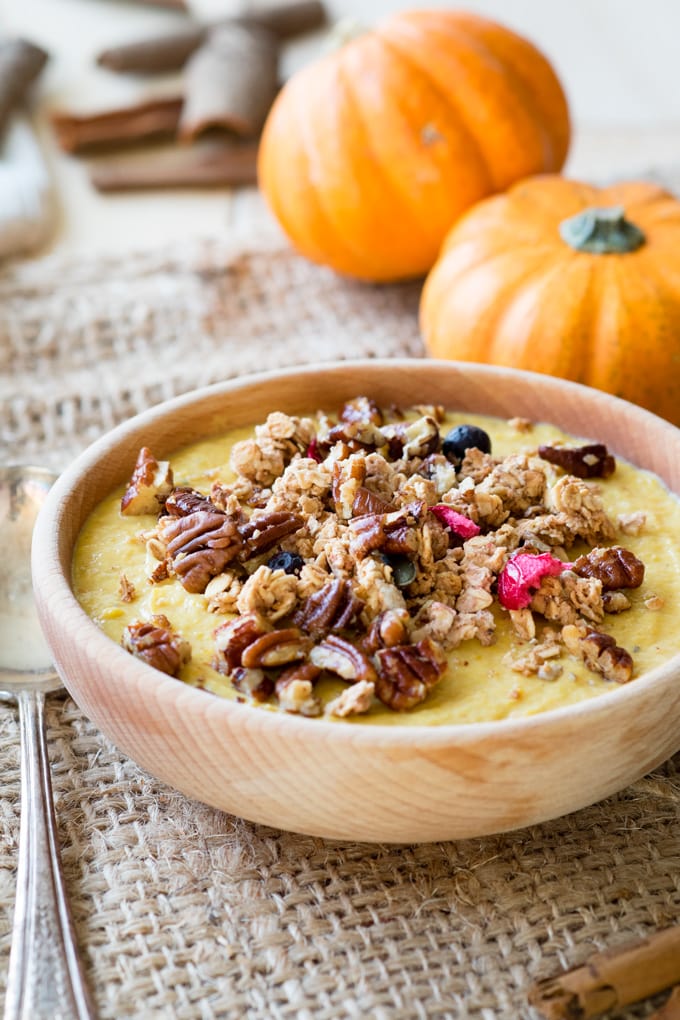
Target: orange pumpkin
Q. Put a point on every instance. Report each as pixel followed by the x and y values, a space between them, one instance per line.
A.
pixel 566 279
pixel 372 152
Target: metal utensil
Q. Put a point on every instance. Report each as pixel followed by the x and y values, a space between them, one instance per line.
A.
pixel 45 980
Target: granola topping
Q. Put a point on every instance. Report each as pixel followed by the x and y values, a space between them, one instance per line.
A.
pixel 362 559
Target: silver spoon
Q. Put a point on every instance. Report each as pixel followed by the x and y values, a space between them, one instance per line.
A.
pixel 45 980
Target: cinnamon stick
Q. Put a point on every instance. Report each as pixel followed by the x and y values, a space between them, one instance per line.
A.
pixel 612 979
pixel 160 54
pixel 156 118
pixel 231 81
pixel 20 64
pixel 155 55
pixel 224 165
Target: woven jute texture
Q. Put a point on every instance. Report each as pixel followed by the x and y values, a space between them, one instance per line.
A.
pixel 183 912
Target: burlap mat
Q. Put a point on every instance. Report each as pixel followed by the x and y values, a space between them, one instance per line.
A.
pixel 184 912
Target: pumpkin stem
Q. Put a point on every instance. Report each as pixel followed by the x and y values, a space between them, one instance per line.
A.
pixel 602 232
pixel 343 32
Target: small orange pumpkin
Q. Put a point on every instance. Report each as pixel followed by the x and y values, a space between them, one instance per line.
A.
pixel 566 279
pixel 372 152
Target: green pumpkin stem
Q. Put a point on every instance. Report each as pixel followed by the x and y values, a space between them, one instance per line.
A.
pixel 602 232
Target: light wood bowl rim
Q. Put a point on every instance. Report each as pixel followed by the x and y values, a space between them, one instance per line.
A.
pixel 52 581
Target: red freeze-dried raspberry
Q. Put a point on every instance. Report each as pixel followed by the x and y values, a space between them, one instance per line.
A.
pixel 313 451
pixel 522 574
pixel 459 524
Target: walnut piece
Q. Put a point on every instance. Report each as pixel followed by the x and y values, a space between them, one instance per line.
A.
pixel 591 461
pixel 600 652
pixel 407 673
pixel 156 643
pixel 614 566
pixel 151 482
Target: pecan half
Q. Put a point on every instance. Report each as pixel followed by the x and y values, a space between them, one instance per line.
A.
pixel 392 533
pixel 361 409
pixel 331 608
pixel 184 501
pixel 591 461
pixel 200 545
pixel 406 673
pixel 276 648
pixel 339 656
pixel 260 534
pixel 233 637
pixel 614 566
pixel 253 682
pixel 156 643
pixel 600 653
pixel 151 482
pixel 294 689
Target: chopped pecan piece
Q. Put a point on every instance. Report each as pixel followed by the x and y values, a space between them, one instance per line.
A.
pixel 339 656
pixel 615 567
pixel 632 524
pixel 357 435
pixel 126 589
pixel 156 643
pixel 200 545
pixel 276 648
pixel 354 700
pixel 417 438
pixel 600 652
pixel 183 501
pixel 294 689
pixel 591 461
pixel 406 674
pixel 253 682
pixel 362 409
pixel 261 533
pixel 331 608
pixel 367 502
pixel 348 476
pixel 393 533
pixel 151 482
pixel 389 628
pixel 615 602
pixel 235 636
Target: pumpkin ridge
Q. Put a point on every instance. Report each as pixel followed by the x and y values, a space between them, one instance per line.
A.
pixel 484 342
pixel 528 94
pixel 356 253
pixel 385 175
pixel 408 59
pixel 498 59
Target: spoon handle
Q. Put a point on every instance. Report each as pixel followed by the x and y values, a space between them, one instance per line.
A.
pixel 45 981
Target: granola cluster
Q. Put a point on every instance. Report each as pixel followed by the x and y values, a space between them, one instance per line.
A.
pixel 368 547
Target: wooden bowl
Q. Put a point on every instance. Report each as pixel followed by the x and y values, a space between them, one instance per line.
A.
pixel 329 779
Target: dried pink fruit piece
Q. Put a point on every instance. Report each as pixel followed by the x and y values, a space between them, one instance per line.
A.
pixel 522 574
pixel 459 524
pixel 313 451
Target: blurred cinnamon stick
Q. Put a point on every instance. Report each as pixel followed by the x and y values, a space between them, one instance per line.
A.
pixel 612 979
pixel 156 118
pixel 231 81
pixel 20 64
pixel 170 52
pixel 155 55
pixel 226 165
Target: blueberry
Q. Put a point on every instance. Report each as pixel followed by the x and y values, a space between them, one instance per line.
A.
pixel 292 563
pixel 462 438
